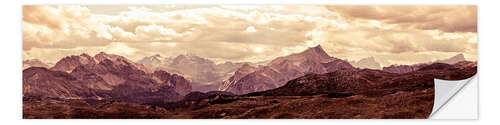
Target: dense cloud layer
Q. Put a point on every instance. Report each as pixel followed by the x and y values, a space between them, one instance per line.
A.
pixel 444 18
pixel 251 33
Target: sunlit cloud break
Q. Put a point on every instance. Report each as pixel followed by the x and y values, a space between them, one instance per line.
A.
pixel 252 33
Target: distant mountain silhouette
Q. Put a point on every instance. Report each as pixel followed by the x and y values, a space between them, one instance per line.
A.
pixel 203 73
pixel 452 60
pixel 409 68
pixel 34 63
pixel 367 63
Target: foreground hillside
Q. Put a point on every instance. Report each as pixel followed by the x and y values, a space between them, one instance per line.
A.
pixel 415 105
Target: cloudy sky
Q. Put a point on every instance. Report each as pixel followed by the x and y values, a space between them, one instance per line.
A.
pixel 391 34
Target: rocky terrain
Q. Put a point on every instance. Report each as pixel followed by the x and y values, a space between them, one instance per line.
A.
pixel 346 93
pixel 277 72
pixel 102 77
pixel 203 74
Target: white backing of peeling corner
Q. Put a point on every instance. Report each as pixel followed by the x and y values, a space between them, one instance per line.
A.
pixel 460 105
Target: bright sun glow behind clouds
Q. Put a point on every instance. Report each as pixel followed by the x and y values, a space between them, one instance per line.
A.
pixel 251 33
pixel 169 44
pixel 251 29
pixel 258 49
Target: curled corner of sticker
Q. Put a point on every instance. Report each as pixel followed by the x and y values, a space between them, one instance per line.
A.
pixel 445 90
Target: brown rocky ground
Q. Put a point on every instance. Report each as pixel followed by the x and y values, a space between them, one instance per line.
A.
pixel 52 109
pixel 397 105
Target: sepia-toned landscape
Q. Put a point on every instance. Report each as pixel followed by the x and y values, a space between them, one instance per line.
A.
pixel 241 62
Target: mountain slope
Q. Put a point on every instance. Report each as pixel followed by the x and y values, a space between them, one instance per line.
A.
pixel 39 82
pixel 364 81
pixel 203 73
pixel 277 72
pixel 105 76
pixel 68 63
pixel 238 74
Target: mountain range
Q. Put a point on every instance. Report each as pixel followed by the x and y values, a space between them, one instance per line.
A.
pixel 103 76
pixel 276 73
pixel 364 81
pixel 203 73
pixel 409 68
pixel 309 84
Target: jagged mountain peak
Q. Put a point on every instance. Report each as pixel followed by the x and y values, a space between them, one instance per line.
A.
pixel 69 63
pixel 318 47
pixel 246 65
pixel 116 59
pixel 85 55
pixel 189 58
pixel 314 54
pixel 102 56
pixel 458 56
pixel 152 62
pixel 246 68
pixel 315 51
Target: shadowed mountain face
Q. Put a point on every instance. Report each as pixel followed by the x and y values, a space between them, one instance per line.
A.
pixel 238 74
pixel 42 82
pixel 277 72
pixel 104 76
pixel 204 74
pixel 67 64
